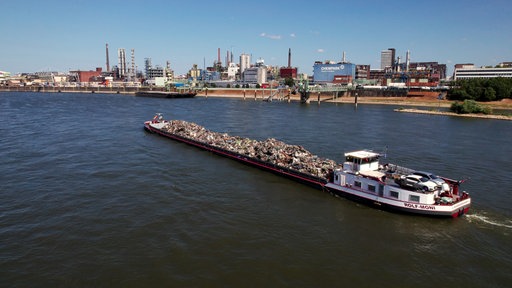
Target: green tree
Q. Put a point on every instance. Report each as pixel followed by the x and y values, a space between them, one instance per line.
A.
pixel 289 82
pixel 502 87
pixel 458 94
pixel 469 106
pixel 481 89
pixel 489 94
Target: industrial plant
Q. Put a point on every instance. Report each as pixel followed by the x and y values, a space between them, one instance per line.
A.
pixel 393 73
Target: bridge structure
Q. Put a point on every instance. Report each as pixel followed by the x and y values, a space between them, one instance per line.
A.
pixel 306 90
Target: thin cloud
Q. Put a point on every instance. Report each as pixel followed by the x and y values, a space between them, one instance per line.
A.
pixel 320 50
pixel 271 36
pixel 293 35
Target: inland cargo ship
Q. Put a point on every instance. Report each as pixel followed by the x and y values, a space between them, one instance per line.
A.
pixel 166 94
pixel 361 177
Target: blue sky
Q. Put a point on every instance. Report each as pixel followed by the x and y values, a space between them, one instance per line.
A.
pixel 62 35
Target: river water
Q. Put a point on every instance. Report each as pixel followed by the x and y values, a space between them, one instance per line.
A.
pixel 88 199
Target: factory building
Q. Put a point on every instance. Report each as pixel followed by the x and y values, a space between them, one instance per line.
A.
pixel 87 76
pixel 505 65
pixel 4 76
pixel 434 68
pixel 256 74
pixel 289 71
pixel 232 71
pixel 378 75
pixel 415 74
pixel 469 71
pixel 155 72
pixel 406 75
pixel 329 72
pixel 363 72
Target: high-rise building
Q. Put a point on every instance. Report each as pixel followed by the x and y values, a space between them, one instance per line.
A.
pixel 121 53
pixel 387 59
pixel 245 62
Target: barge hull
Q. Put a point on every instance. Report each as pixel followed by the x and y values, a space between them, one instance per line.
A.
pixel 162 94
pixel 315 182
pixel 450 212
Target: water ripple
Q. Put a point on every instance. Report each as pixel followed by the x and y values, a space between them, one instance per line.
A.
pixel 90 199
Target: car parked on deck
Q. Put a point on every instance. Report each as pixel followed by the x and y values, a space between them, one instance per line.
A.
pixel 417 182
pixel 432 177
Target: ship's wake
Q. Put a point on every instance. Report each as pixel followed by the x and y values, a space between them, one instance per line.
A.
pixel 479 218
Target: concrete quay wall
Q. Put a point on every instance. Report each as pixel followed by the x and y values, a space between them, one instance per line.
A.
pixel 371 95
pixel 82 89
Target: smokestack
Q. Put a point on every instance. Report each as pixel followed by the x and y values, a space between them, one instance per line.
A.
pixel 108 65
pixel 289 57
pixel 407 60
pixel 218 55
pixel 343 60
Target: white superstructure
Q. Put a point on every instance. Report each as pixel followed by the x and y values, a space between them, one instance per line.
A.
pixel 395 187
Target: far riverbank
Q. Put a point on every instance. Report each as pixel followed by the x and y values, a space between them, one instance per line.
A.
pixel 414 99
pixel 424 99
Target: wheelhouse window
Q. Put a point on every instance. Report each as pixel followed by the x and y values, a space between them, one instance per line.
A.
pixel 357 184
pixel 371 188
pixel 414 198
pixel 394 194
